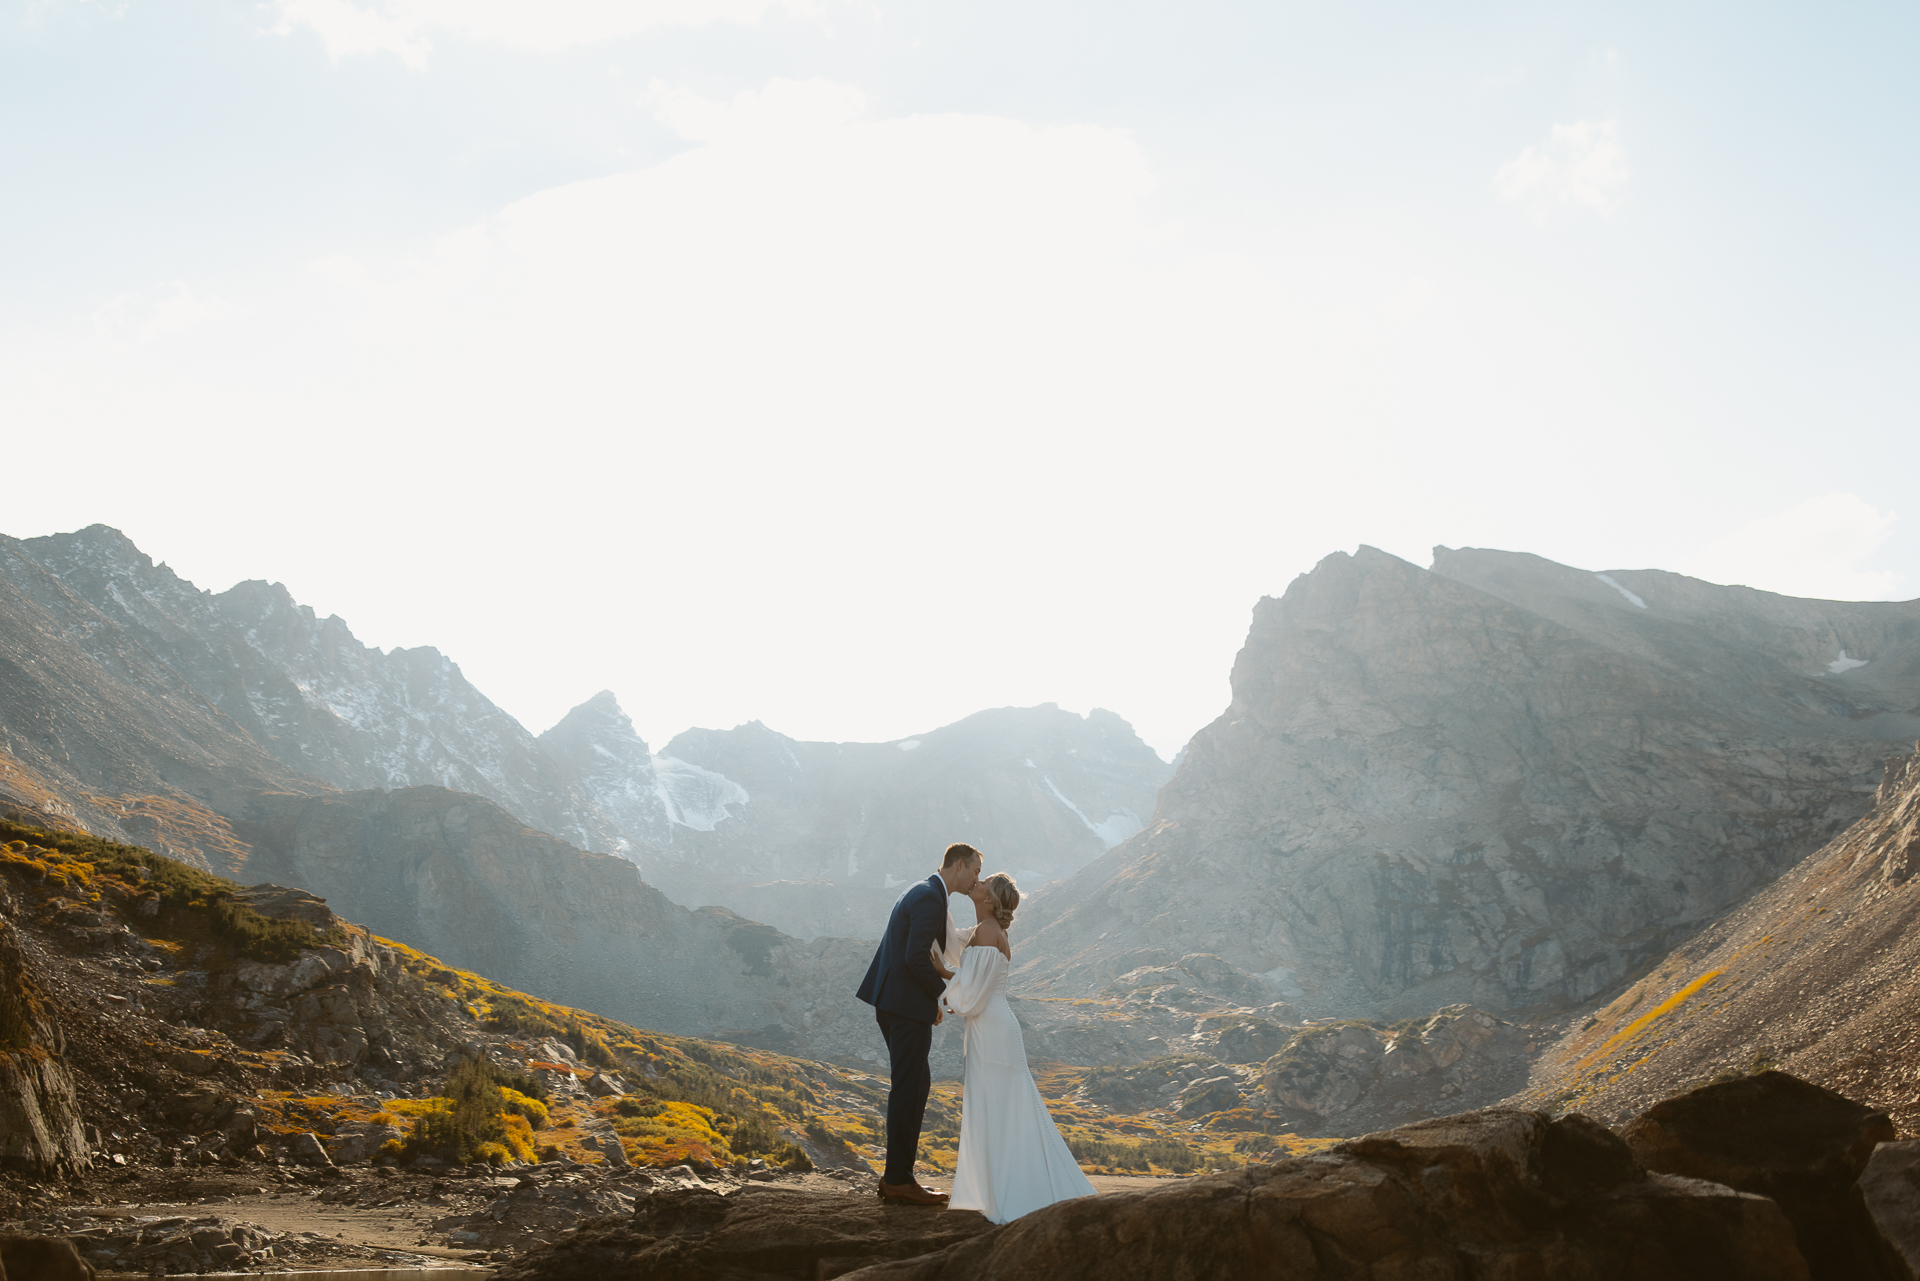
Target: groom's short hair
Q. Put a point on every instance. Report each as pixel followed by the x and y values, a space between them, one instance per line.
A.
pixel 960 852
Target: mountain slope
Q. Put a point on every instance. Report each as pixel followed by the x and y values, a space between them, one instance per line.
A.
pixel 1500 781
pixel 1817 974
pixel 456 875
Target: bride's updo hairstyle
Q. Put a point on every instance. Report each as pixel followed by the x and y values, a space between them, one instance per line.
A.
pixel 1006 897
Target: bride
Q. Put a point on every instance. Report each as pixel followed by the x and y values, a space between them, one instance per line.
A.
pixel 1012 1158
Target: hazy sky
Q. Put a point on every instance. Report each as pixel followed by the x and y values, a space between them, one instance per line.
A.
pixel 856 367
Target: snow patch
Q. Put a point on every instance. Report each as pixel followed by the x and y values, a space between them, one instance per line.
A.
pixel 1608 580
pixel 692 796
pixel 1113 829
pixel 1845 664
pixel 909 745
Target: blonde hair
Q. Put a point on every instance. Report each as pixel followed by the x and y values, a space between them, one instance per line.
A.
pixel 1006 897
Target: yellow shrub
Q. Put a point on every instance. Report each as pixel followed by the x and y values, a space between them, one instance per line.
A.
pixel 519 1137
pixel 680 1132
pixel 525 1105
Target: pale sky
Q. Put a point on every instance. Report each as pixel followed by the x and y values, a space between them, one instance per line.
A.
pixel 855 368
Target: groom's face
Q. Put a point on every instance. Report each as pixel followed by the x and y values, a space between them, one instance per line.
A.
pixel 965 876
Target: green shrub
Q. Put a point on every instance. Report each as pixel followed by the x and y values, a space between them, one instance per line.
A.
pixel 788 1156
pixel 1168 1154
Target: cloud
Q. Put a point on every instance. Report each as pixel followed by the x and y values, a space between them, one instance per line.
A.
pixel 405 28
pixel 139 319
pixel 780 111
pixel 1583 164
pixel 1817 548
pixel 800 263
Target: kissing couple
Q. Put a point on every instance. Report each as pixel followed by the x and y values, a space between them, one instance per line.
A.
pixel 1012 1158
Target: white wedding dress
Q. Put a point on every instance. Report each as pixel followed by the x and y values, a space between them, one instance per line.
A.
pixel 1012 1158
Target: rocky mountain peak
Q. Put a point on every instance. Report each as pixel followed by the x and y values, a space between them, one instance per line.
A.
pixel 1498 782
pixel 597 746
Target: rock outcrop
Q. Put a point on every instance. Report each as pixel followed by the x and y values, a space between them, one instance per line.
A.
pixel 40 1129
pixel 1500 781
pixel 1349 1076
pixel 1817 974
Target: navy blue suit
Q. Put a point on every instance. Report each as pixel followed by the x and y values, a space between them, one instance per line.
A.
pixel 904 990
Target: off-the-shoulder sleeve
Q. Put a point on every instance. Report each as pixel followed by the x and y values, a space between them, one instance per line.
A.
pixel 968 990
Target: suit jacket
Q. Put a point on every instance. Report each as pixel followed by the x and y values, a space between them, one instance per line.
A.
pixel 902 979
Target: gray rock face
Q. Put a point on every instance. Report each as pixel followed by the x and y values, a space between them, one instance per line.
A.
pixel 1502 782
pixel 820 838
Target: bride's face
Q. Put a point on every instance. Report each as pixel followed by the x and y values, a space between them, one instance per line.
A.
pixel 982 899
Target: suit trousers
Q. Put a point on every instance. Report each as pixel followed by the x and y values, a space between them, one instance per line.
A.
pixel 908 1043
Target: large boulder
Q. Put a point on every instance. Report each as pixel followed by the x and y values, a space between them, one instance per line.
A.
pixel 761 1233
pixel 1497 1193
pixel 1890 1186
pixel 1781 1137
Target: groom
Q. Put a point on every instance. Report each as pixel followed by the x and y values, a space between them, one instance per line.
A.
pixel 904 990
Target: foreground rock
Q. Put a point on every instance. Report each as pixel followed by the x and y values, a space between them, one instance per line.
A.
pixel 1890 1186
pixel 1780 1137
pixel 1497 1193
pixel 696 1234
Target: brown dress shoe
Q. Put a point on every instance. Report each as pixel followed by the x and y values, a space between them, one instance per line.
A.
pixel 911 1193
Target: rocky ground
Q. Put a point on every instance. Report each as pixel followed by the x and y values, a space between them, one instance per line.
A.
pixel 270 1217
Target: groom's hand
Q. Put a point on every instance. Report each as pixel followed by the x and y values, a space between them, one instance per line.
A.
pixel 939 1013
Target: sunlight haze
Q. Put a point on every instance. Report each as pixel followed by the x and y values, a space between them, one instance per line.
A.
pixel 855 368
